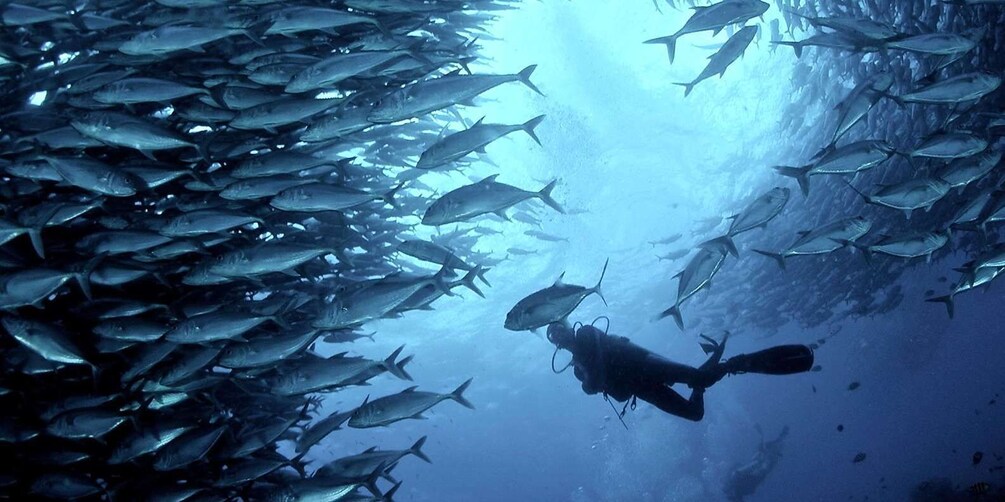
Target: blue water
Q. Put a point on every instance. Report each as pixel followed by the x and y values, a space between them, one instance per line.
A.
pixel 643 163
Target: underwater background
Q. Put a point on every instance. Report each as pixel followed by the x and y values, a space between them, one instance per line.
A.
pixel 904 404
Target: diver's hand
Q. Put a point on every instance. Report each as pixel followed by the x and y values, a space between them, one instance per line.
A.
pixel 560 334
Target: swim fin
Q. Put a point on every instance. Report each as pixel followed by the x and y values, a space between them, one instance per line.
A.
pixel 780 360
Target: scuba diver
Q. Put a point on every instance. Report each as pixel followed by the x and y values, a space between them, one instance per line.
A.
pixel 744 480
pixel 622 370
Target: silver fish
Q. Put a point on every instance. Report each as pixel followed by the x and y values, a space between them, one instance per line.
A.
pixel 428 96
pixel 408 403
pixel 486 196
pixel 713 18
pixel 822 240
pixel 551 304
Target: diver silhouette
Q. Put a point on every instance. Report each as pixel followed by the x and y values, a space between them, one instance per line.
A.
pixel 621 370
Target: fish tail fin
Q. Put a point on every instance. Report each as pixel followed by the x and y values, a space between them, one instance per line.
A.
pixel 400 366
pixel 545 196
pixel 675 313
pixel 725 241
pixel 439 280
pixel 778 257
pixel 278 320
pixel 397 368
pixel 416 449
pixel 388 496
pixel 388 197
pixel 801 175
pixel 383 29
pixel 948 300
pixel 524 77
pixel 202 148
pixel 458 395
pixel 84 276
pixel 670 42
pixel 528 127
pixel 596 289
pixel 255 37
pixel 35 234
pixel 468 281
pixel 796 47
pixel 481 274
pixel 688 87
pixel 76 19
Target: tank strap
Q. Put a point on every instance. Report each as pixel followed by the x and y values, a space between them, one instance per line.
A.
pixel 601 364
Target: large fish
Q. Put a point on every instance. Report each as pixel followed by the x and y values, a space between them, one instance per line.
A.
pixel 905 246
pixel 428 96
pixel 551 304
pixel 294 20
pixel 838 41
pixel 759 212
pixel 144 90
pixel 961 172
pixel 822 240
pixel 915 193
pixel 854 26
pixel 854 107
pixel 167 39
pixel 949 146
pixel 334 69
pixel 939 44
pixel 375 301
pixel 954 90
pixel 117 129
pixel 314 374
pixel 408 403
pixel 486 196
pixel 315 197
pixel 363 464
pixel 713 18
pixel 475 138
pixel 849 159
pixel 720 61
pixel 696 275
pixel 45 340
pixel 971 279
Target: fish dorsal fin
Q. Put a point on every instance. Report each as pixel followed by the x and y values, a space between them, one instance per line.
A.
pixel 558 282
pixel 370 449
pixel 410 389
pixel 443 133
pixel 490 179
pixel 453 73
pixel 478 123
pixel 678 274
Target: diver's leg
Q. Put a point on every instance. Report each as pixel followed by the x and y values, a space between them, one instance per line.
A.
pixel 668 372
pixel 670 401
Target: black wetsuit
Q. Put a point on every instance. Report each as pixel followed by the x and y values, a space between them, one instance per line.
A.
pixel 617 367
